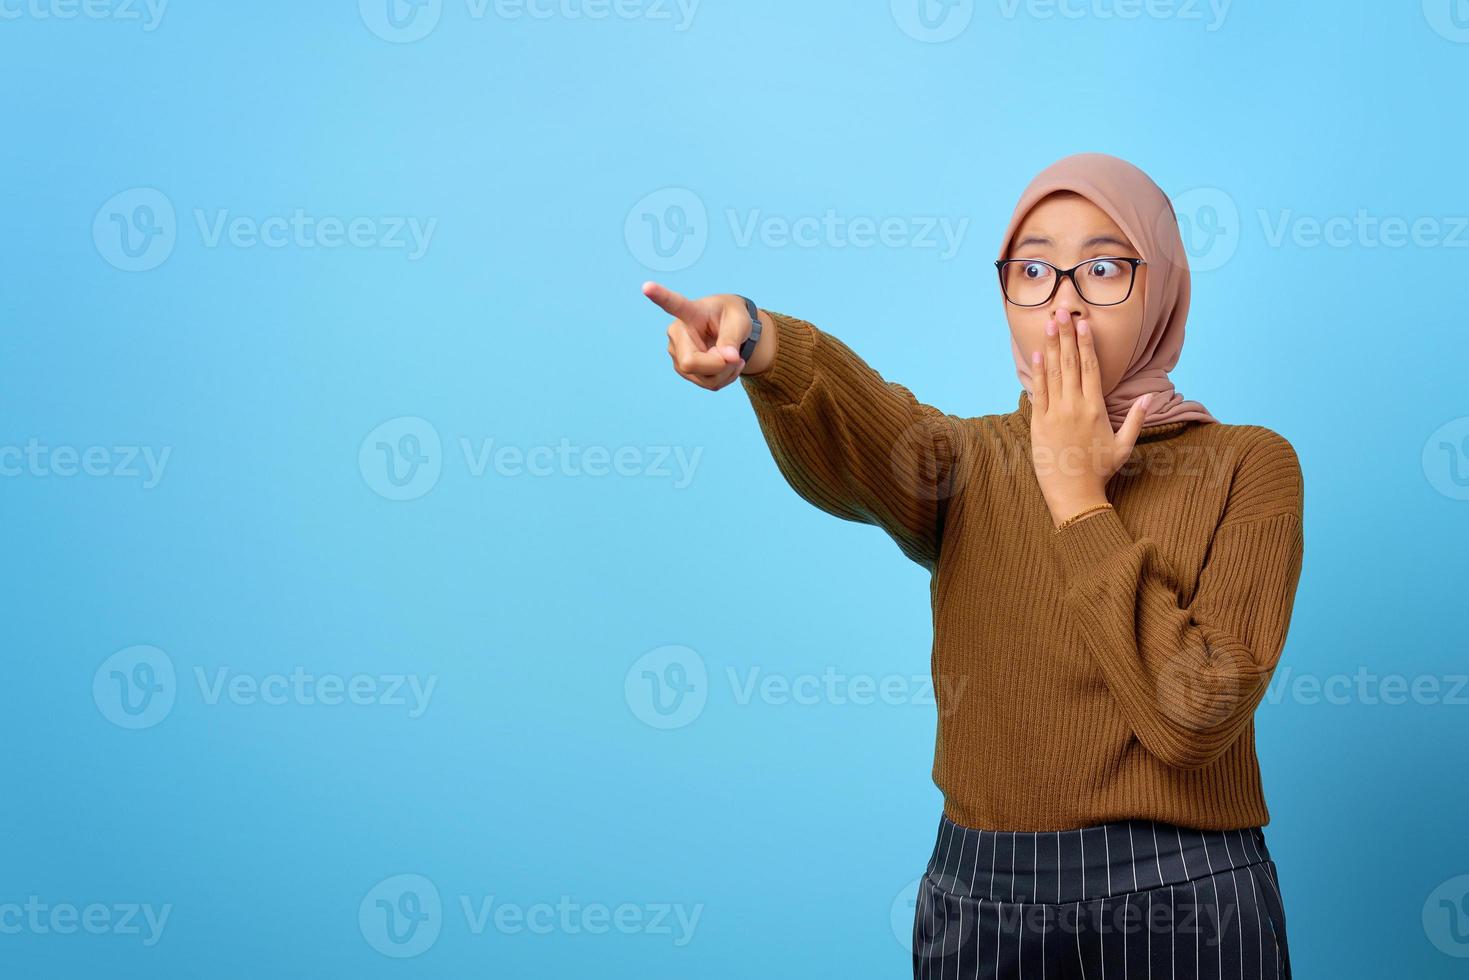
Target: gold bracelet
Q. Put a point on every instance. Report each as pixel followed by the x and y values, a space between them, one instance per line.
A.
pixel 1078 516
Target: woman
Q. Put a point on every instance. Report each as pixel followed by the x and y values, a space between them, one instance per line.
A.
pixel 1113 577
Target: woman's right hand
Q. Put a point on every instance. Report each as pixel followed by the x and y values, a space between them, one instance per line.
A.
pixel 705 336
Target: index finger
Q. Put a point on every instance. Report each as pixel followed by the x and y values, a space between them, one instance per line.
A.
pixel 674 304
pixel 1086 350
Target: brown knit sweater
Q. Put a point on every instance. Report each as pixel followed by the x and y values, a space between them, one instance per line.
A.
pixel 1106 671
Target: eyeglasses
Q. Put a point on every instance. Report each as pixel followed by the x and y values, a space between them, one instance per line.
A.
pixel 1032 282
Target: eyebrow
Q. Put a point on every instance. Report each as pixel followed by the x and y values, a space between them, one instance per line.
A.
pixel 1092 242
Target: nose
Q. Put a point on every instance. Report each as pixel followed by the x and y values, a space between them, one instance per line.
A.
pixel 1067 302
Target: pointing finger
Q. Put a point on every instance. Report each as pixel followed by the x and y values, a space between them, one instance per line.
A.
pixel 674 304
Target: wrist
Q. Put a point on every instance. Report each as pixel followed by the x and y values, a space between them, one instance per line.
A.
pixel 1077 506
pixel 764 354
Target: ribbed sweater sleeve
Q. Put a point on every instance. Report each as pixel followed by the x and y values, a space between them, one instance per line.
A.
pixel 1188 675
pixel 852 443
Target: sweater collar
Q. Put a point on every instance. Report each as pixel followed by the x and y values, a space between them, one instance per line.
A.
pixel 1020 421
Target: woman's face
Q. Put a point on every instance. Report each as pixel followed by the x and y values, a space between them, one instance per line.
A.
pixel 1065 228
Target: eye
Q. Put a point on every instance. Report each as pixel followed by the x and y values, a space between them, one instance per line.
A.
pixel 1105 269
pixel 1035 270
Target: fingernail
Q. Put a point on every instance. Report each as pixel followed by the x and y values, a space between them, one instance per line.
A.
pixel 1082 327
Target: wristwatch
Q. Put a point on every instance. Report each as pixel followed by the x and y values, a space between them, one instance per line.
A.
pixel 748 347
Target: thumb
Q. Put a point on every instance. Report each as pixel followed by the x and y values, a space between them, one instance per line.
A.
pixel 1131 426
pixel 735 327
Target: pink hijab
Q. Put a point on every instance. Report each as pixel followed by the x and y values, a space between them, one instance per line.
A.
pixel 1145 215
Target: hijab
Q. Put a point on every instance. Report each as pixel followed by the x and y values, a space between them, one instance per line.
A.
pixel 1145 215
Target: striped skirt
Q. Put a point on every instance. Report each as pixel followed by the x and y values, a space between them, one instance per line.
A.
pixel 1130 898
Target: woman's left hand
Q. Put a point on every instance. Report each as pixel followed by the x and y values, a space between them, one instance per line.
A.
pixel 1073 448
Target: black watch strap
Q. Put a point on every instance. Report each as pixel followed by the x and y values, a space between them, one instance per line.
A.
pixel 747 349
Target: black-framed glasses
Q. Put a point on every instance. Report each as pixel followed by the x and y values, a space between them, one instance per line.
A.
pixel 1032 282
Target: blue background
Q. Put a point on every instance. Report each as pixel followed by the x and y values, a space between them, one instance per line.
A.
pixel 544 149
